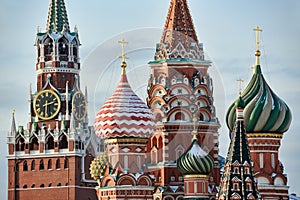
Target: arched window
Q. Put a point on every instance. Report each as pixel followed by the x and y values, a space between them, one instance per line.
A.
pixel 201 117
pixel 249 187
pixel 48 47
pixel 42 185
pixel 179 116
pixel 33 165
pixel 66 163
pixel 24 186
pixel 33 186
pixel 57 164
pixel 34 144
pixel 63 143
pixel 42 167
pixel 63 46
pixel 20 145
pixel 50 164
pixel 25 166
pixel 50 143
pixel 235 186
pixel 59 184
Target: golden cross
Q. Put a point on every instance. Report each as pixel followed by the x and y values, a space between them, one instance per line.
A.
pixel 240 81
pixel 123 50
pixel 257 30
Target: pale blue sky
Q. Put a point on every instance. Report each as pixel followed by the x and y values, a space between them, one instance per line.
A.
pixel 225 28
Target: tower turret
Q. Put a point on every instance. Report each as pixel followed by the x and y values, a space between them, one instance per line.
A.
pixel 179 88
pixel 196 165
pixel 238 180
pixel 53 151
pixel 267 117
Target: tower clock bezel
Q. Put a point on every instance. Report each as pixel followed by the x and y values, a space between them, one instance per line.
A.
pixel 79 101
pixel 55 104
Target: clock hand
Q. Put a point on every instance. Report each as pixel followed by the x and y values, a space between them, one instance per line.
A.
pixel 52 102
pixel 46 107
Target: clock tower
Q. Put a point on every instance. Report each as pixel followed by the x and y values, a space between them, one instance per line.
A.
pixel 49 159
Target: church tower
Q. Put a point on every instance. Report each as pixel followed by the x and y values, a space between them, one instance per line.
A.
pixel 238 180
pixel 179 88
pixel 267 117
pixel 49 158
pixel 125 123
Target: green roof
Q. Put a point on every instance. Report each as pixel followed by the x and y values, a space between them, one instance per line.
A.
pixel 57 17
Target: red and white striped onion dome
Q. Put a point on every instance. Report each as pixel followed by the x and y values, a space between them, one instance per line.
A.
pixel 124 115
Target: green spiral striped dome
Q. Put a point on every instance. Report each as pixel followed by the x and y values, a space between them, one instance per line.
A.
pixel 195 161
pixel 264 111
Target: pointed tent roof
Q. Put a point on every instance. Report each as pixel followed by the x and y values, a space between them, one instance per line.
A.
pixel 57 17
pixel 237 157
pixel 179 38
pixel 13 129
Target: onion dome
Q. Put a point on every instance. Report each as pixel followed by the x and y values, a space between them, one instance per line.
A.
pixel 264 111
pixel 195 161
pixel 98 166
pixel 124 114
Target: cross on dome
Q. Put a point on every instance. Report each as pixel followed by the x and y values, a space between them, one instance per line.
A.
pixel 240 81
pixel 257 53
pixel 123 56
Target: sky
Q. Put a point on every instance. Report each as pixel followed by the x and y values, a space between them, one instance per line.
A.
pixel 225 28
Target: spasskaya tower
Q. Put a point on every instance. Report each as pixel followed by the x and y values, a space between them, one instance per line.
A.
pixel 49 159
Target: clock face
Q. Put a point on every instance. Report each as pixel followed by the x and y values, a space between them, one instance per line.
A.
pixel 46 104
pixel 79 106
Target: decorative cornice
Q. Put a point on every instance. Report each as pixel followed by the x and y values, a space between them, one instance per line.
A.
pixel 196 176
pixel 126 140
pixel 264 135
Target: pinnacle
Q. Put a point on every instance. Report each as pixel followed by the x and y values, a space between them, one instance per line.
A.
pixel 57 17
pixel 179 32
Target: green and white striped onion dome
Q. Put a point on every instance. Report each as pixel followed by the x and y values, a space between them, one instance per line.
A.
pixel 195 161
pixel 264 111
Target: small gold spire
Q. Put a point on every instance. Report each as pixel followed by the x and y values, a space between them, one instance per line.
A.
pixel 257 52
pixel 240 81
pixel 123 56
pixel 13 111
pixel 194 132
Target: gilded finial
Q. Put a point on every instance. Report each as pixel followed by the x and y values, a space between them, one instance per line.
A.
pixel 123 56
pixel 257 52
pixel 240 81
pixel 13 111
pixel 195 133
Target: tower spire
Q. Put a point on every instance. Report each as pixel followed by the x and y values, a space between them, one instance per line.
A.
pixel 13 129
pixel 237 180
pixel 257 52
pixel 179 38
pixel 57 17
pixel 123 56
